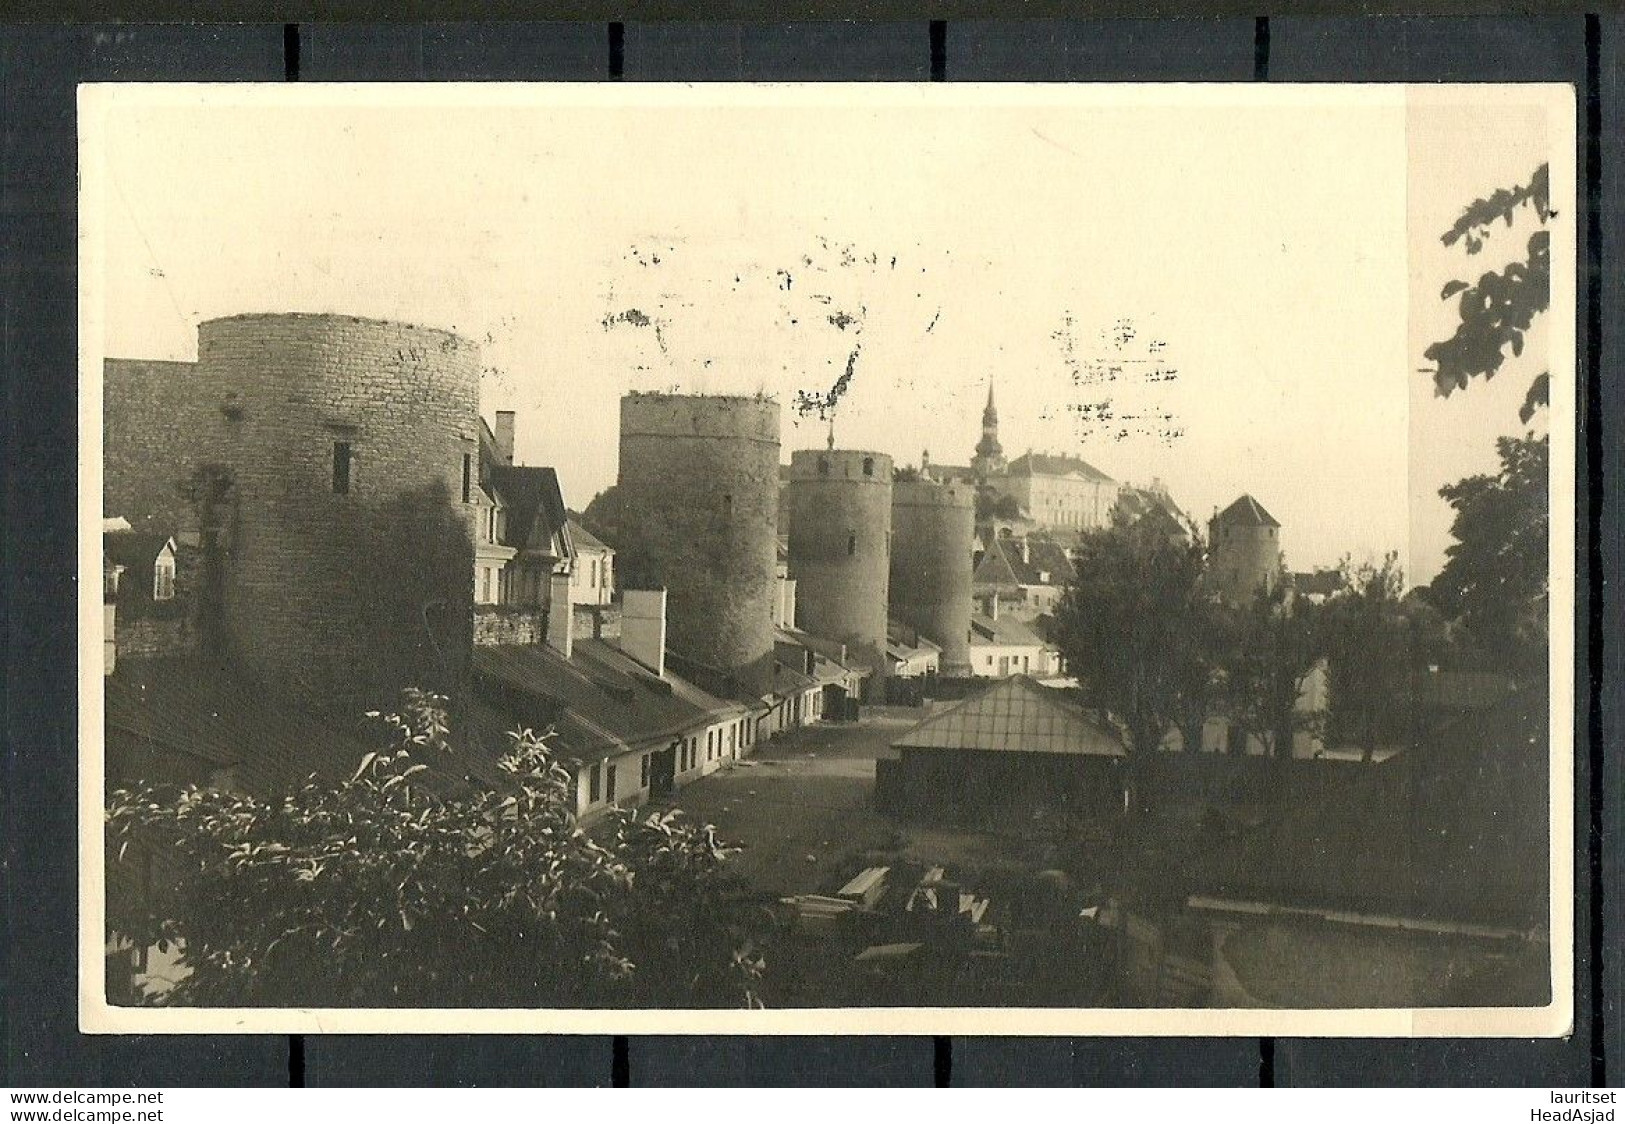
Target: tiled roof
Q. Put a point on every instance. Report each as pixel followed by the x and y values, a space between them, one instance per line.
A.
pixel 1016 715
pixel 600 701
pixel 1047 464
pixel 1246 511
pixel 535 505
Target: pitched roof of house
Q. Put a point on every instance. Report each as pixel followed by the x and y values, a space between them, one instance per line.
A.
pixel 1047 563
pixel 584 540
pixel 600 702
pixel 1136 503
pixel 1246 511
pixel 995 566
pixel 201 709
pixel 1004 632
pixel 1016 715
pixel 134 550
pixel 827 666
pixel 1050 464
pixel 535 504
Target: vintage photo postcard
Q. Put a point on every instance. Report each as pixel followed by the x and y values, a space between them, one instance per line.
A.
pixel 827 559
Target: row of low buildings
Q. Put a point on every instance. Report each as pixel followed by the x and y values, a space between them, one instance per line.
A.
pixel 313 515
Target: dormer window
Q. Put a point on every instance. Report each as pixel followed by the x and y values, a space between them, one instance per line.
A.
pixel 868 466
pixel 163 578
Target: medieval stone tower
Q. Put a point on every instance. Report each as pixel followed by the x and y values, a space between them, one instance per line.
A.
pixel 840 537
pixel 699 503
pixel 333 494
pixel 933 526
pixel 1244 551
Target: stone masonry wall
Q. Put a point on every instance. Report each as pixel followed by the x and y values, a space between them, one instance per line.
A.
pixel 496 626
pixel 699 477
pixel 840 545
pixel 155 417
pixel 344 594
pixel 930 586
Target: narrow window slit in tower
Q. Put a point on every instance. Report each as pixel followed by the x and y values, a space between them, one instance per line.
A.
pixel 468 478
pixel 341 467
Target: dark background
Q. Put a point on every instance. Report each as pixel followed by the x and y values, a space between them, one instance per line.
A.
pixel 41 63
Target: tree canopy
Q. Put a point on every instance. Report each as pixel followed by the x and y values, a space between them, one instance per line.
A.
pixel 1496 311
pixel 1125 626
pixel 386 890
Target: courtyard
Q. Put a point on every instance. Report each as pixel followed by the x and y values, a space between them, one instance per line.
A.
pixel 801 810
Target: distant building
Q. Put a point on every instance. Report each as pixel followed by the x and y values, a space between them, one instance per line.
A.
pixel 1001 645
pixel 1029 574
pixel 1244 551
pixel 1052 492
pixel 1016 748
pixel 1152 506
pixel 1316 586
pixel 592 579
pixel 911 654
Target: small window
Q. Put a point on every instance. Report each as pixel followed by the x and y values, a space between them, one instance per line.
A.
pixel 823 466
pixel 468 477
pixel 868 466
pixel 163 580
pixel 609 784
pixel 643 771
pixel 341 467
pixel 594 783
pixel 851 543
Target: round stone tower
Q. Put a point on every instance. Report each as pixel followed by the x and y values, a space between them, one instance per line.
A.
pixel 1244 551
pixel 698 493
pixel 933 526
pixel 840 538
pixel 341 463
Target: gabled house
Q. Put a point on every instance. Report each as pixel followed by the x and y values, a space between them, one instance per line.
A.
pixel 1001 645
pixel 1028 574
pixel 592 578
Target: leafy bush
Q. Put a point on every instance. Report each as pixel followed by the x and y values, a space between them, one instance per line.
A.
pixel 389 889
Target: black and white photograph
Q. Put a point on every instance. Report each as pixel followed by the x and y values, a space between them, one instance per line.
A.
pixel 1010 559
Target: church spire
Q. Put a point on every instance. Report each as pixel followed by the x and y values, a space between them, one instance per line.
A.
pixel 989 459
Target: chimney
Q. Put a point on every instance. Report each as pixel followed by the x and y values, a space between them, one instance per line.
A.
pixel 560 615
pixel 643 627
pixel 993 607
pixel 504 436
pixel 1026 552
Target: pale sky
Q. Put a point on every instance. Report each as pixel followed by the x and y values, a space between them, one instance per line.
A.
pixel 1227 290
